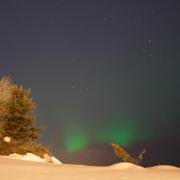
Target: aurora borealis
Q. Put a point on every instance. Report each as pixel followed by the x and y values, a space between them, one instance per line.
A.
pixel 101 72
pixel 76 141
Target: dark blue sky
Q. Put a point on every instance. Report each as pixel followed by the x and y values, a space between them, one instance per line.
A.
pixel 100 72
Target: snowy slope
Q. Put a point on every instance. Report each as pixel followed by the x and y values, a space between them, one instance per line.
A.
pixel 31 157
pixel 27 170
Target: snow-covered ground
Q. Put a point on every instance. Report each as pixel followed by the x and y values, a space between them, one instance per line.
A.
pixel 15 169
pixel 32 157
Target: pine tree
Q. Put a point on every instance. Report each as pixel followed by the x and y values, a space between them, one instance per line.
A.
pixel 17 112
pixel 5 94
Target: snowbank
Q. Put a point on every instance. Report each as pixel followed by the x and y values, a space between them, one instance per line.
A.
pixel 125 165
pixel 32 157
pixel 11 168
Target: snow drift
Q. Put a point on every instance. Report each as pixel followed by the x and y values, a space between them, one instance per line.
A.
pixel 32 157
pixel 15 169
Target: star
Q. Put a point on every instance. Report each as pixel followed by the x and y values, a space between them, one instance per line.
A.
pixel 83 32
pixel 105 19
pixel 152 12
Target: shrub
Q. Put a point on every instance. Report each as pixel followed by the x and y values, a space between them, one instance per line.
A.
pixel 126 157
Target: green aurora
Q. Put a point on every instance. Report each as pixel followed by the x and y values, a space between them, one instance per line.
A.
pixel 76 141
pixel 123 133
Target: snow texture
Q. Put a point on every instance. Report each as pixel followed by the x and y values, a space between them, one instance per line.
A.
pixel 15 169
pixel 32 157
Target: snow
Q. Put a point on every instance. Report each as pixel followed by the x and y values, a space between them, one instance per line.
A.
pixel 164 167
pixel 125 165
pixel 7 139
pixel 32 157
pixel 15 169
pixel 55 160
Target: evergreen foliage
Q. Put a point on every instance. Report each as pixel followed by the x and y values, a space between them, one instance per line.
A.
pixel 18 133
pixel 17 116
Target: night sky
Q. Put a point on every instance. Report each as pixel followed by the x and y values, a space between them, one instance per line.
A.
pixel 101 71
